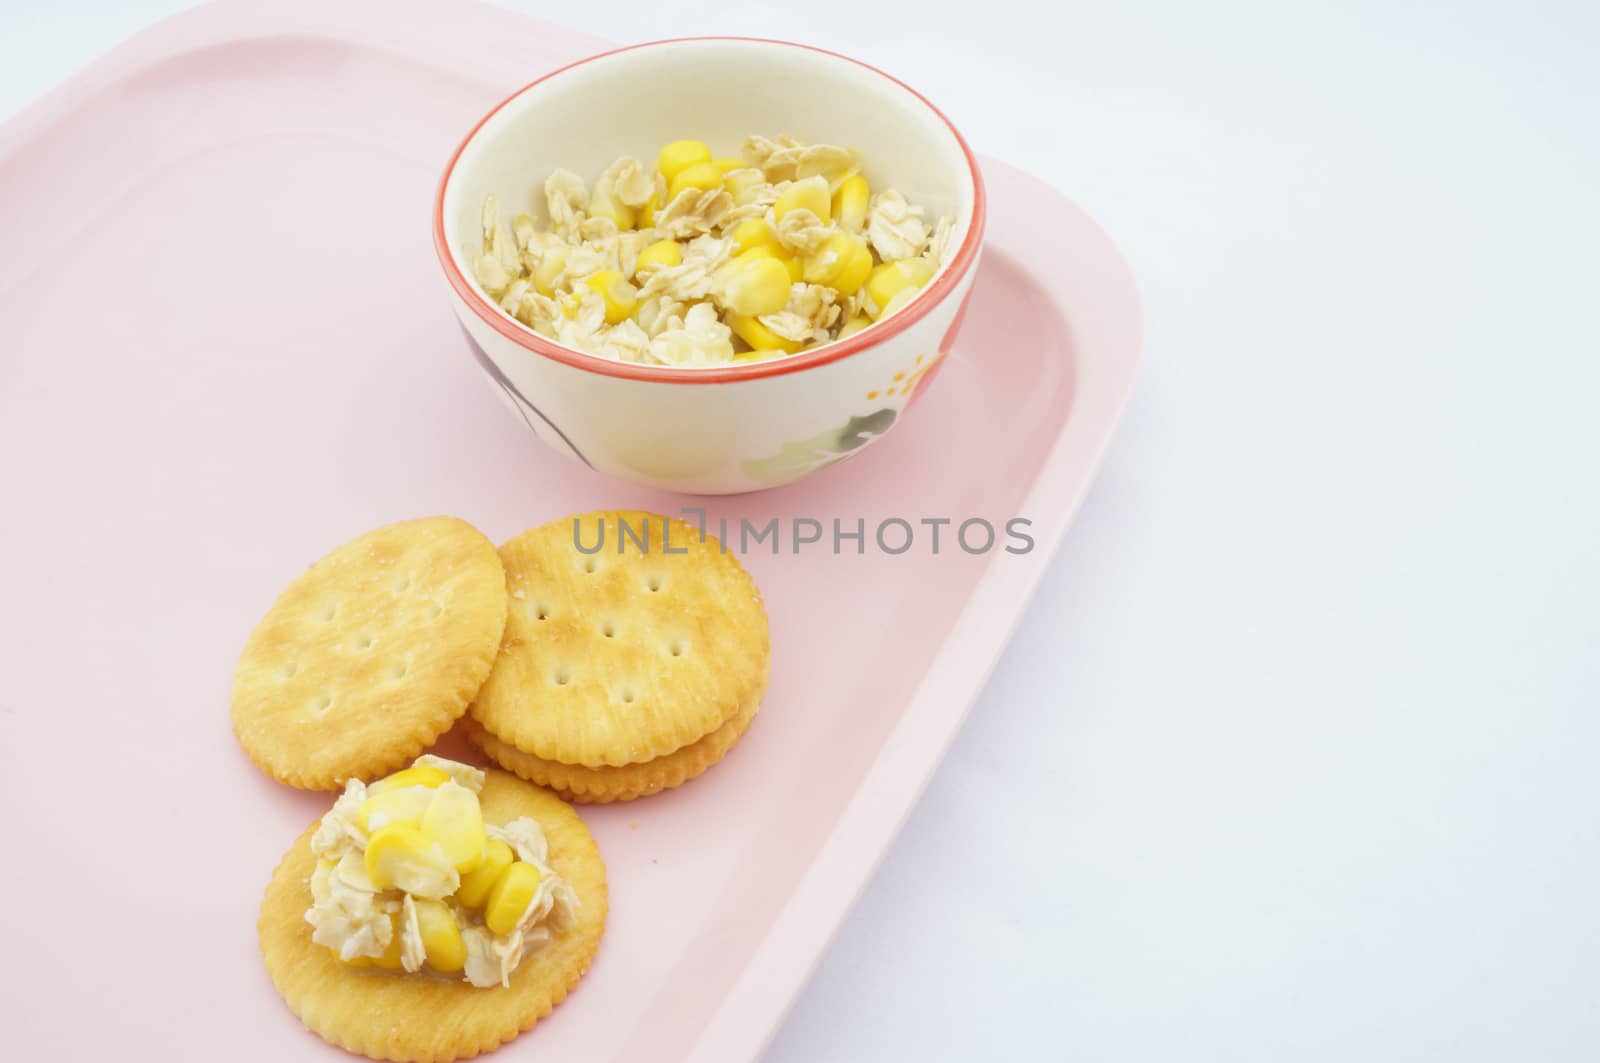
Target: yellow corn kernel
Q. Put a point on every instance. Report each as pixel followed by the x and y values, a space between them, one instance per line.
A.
pixel 418 775
pixel 647 213
pixel 850 201
pixel 854 325
pixel 455 820
pixel 621 298
pixel 702 175
pixel 753 284
pixel 552 264
pixel 603 205
pixel 753 232
pixel 728 164
pixel 776 251
pixel 743 184
pixel 842 263
pixel 400 856
pixel 852 275
pixel 759 337
pixel 441 937
pixel 510 897
pixel 891 278
pixel 659 254
pixel 758 356
pixel 900 299
pixel 811 194
pixel 394 806
pixel 681 154
pixel 475 886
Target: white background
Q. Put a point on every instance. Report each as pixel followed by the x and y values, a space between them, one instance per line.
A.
pixel 1295 755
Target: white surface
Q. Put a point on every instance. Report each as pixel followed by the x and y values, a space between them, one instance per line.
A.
pixel 1295 756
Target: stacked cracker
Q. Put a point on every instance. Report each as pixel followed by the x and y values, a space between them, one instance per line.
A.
pixel 372 654
pixel 635 656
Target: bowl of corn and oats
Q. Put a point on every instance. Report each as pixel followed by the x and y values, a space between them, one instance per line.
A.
pixel 711 282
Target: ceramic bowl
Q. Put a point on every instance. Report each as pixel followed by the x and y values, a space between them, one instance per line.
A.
pixel 738 427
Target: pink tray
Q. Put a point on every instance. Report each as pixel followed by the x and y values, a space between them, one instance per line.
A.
pixel 226 349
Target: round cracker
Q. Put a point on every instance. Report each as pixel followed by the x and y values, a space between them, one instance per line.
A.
pixel 599 786
pixel 397 1016
pixel 371 654
pixel 614 658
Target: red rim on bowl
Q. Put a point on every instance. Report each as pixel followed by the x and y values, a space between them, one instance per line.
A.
pixel 913 311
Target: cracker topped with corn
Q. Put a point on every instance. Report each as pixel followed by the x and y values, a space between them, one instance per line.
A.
pixel 435 913
pixel 706 260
